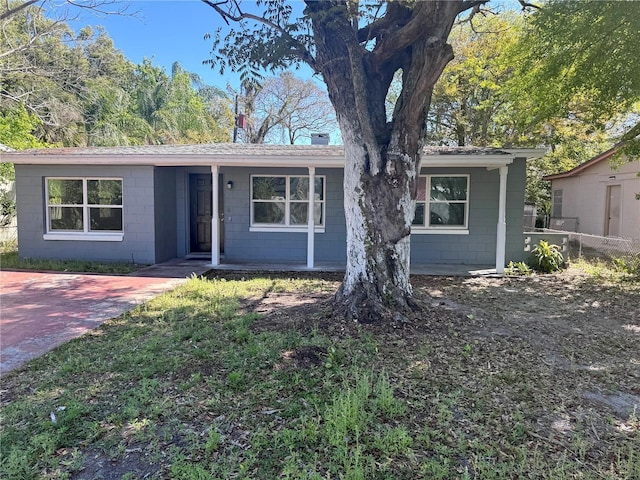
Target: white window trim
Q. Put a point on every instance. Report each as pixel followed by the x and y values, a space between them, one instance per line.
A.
pixel 89 237
pixel 85 234
pixel 447 229
pixel 274 228
pixel 418 230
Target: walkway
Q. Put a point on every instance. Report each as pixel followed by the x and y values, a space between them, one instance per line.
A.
pixel 39 311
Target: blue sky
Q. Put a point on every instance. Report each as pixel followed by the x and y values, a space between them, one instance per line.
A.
pixel 166 31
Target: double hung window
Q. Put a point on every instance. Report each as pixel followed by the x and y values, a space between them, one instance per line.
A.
pixel 84 207
pixel 442 203
pixel 283 202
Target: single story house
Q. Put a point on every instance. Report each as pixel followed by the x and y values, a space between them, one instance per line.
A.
pixel 598 198
pixel 239 203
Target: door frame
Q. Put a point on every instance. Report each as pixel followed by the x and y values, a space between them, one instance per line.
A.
pixel 607 209
pixel 190 217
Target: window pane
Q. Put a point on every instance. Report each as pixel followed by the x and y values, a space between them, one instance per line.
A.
pixel 299 188
pixel 298 214
pixel 319 186
pixel 104 192
pixel 448 188
pixel 317 213
pixel 556 210
pixel 418 218
pixel 109 219
pixel 269 188
pixel 422 189
pixel 64 192
pixel 446 214
pixel 65 218
pixel 272 212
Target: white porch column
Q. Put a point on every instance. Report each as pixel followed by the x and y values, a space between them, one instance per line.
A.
pixel 311 221
pixel 501 238
pixel 215 216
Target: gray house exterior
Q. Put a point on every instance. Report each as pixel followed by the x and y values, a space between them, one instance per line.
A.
pixel 153 203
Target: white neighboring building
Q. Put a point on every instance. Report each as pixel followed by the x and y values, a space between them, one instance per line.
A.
pixel 597 199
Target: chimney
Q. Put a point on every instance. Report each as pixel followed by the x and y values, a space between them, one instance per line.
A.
pixel 319 139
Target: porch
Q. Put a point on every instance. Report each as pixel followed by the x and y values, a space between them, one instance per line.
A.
pixel 187 266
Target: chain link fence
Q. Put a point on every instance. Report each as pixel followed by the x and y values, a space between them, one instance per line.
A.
pixel 582 245
pixel 8 234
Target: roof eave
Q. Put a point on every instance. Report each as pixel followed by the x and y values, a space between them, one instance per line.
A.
pixel 181 160
pixel 583 166
pixel 528 153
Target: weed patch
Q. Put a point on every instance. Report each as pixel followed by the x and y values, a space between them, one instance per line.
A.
pixel 522 377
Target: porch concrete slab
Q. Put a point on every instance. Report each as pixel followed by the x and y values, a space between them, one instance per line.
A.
pixel 39 311
pixel 432 269
pixel 175 268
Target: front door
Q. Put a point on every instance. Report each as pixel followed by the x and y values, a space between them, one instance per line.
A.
pixel 612 216
pixel 200 193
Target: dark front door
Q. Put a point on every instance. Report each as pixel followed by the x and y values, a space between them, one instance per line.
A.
pixel 200 193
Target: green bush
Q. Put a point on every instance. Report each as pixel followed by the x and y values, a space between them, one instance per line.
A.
pixel 629 266
pixel 519 269
pixel 546 257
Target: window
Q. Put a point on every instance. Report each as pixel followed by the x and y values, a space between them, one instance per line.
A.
pixel 556 210
pixel 283 201
pixel 87 208
pixel 446 208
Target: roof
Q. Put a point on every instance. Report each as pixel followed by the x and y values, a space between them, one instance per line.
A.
pixel 5 148
pixel 583 166
pixel 238 154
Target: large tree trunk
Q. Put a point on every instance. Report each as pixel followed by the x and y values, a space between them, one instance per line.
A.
pixel 379 210
pixel 382 157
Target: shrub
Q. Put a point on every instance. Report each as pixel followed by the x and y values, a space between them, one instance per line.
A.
pixel 629 266
pixel 546 257
pixel 519 269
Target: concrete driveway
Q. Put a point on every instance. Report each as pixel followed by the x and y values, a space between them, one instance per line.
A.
pixel 39 311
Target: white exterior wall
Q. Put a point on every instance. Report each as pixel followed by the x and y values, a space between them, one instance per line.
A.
pixel 585 196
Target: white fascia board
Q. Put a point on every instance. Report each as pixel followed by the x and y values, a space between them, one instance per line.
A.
pixel 466 161
pixel 179 160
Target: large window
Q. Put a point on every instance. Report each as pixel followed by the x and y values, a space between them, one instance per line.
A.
pixel 86 206
pixel 442 203
pixel 283 201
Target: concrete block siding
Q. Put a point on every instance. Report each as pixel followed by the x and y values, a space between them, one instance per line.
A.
pixel 241 245
pixel 156 217
pixel 479 246
pixel 138 200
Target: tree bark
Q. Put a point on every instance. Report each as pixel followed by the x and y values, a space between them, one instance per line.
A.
pixel 382 157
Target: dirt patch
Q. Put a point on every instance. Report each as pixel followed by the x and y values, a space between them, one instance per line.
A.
pixel 302 358
pixel 579 330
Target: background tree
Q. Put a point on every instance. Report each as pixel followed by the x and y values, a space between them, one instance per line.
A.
pixel 479 101
pixel 471 104
pixel 84 91
pixel 586 50
pixel 357 47
pixel 283 109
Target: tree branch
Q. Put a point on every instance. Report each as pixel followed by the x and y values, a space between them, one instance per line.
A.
pixel 13 11
pixel 526 5
pixel 473 4
pixel 299 50
pixel 631 134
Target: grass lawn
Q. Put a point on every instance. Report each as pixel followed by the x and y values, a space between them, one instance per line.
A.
pixel 251 377
pixel 9 260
